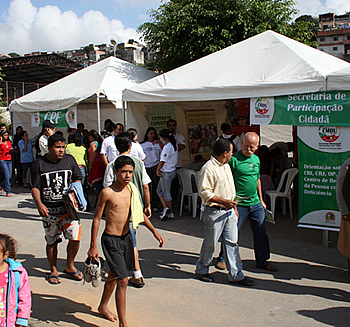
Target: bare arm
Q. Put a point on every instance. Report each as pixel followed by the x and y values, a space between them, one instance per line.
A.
pixel 151 228
pixel 101 203
pixel 94 154
pixel 147 201
pixel 160 166
pixel 180 147
pixel 43 211
pixel 104 159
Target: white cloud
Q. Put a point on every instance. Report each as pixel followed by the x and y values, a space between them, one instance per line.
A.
pixel 316 7
pixel 28 29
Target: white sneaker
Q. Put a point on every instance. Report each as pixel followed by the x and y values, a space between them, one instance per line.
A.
pixel 86 270
pixel 95 272
pixel 171 216
pixel 163 215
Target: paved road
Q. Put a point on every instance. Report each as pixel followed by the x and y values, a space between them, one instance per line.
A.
pixel 310 288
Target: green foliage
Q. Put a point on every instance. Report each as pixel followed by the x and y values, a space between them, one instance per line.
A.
pixel 13 54
pixel 181 31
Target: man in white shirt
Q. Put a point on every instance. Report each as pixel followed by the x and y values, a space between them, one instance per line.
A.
pixel 180 140
pixel 109 151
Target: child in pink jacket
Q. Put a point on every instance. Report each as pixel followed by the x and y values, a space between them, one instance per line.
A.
pixel 15 297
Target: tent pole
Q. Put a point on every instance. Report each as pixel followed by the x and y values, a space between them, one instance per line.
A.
pixel 98 114
pixel 124 116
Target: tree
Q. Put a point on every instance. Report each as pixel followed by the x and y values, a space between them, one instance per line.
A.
pixel 311 24
pixel 14 54
pixel 181 31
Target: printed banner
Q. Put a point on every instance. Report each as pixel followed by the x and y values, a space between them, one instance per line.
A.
pixel 63 118
pixel 202 131
pixel 158 115
pixel 322 108
pixel 318 171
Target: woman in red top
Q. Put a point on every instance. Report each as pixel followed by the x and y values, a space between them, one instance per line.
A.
pixel 5 163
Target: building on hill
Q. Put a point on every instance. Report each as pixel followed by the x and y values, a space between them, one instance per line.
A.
pixel 333 36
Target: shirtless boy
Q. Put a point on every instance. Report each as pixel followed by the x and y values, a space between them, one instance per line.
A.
pixel 117 243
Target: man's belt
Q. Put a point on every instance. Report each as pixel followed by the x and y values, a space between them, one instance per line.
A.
pixel 218 208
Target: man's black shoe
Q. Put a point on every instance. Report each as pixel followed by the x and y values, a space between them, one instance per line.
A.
pixel 204 277
pixel 243 282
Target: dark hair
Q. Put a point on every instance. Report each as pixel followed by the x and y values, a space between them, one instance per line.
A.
pixel 93 133
pixel 198 157
pixel 80 125
pixel 110 128
pixel 225 127
pixel 22 134
pixel 147 131
pixel 122 161
pixel 220 146
pixel 2 124
pixel 171 121
pixel 119 124
pixel 107 121
pixel 18 128
pixel 76 139
pixel 166 134
pixel 132 132
pixel 7 243
pixel 122 141
pixel 59 133
pixel 55 138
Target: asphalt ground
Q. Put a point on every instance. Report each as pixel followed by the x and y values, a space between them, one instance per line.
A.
pixel 310 288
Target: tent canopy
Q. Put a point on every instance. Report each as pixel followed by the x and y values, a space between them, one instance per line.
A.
pixel 268 64
pixel 339 80
pixel 107 78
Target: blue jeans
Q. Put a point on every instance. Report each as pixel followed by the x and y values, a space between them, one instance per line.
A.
pixel 83 175
pixel 164 185
pixel 256 215
pixel 6 170
pixel 220 223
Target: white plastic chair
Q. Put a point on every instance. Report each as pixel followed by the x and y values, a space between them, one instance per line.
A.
pixel 286 181
pixel 185 176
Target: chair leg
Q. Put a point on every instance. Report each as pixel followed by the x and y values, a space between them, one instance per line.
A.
pixel 290 207
pixel 273 205
pixel 284 209
pixel 181 204
pixel 194 204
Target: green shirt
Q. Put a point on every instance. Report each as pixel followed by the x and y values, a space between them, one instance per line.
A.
pixel 246 172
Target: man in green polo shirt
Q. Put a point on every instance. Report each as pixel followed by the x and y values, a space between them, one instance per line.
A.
pixel 245 166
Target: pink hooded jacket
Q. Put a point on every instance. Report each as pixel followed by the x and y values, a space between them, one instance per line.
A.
pixel 19 298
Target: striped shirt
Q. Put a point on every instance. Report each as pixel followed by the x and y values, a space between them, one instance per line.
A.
pixel 216 178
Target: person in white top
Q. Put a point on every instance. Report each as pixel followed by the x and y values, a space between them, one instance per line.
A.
pixel 180 140
pixel 152 147
pixel 136 148
pixel 47 130
pixel 166 170
pixel 109 151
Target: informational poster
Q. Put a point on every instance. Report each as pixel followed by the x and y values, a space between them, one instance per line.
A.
pixel 321 150
pixel 310 109
pixel 158 115
pixel 202 131
pixel 62 118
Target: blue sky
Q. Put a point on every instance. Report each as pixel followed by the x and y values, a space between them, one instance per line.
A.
pixel 48 25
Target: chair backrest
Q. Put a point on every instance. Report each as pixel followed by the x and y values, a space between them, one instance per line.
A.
pixel 286 181
pixel 186 178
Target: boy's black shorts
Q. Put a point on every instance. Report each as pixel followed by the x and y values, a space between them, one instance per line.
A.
pixel 119 253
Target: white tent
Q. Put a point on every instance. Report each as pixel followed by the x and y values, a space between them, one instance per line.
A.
pixel 268 64
pixel 339 80
pixel 98 85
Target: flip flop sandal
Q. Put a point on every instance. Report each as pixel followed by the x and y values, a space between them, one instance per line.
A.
pixel 49 278
pixel 74 275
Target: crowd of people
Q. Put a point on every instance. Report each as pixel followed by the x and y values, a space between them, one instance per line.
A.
pixel 131 181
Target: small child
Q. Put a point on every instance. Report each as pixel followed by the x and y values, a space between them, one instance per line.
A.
pixel 15 297
pixel 120 201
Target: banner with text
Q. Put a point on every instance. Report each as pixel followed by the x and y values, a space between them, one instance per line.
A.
pixel 321 108
pixel 202 131
pixel 158 115
pixel 63 118
pixel 318 171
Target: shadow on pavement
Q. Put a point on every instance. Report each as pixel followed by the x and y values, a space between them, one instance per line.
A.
pixel 53 308
pixel 339 316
